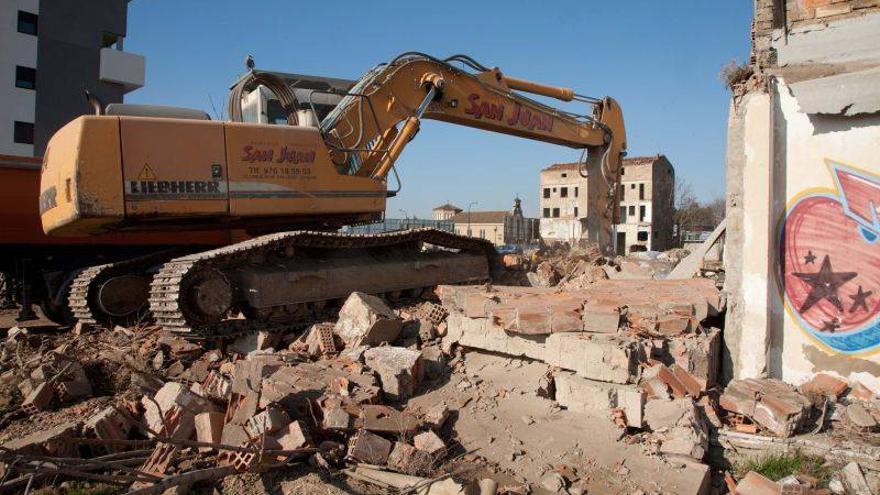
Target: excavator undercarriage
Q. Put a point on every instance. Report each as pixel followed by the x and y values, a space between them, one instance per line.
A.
pixel 285 277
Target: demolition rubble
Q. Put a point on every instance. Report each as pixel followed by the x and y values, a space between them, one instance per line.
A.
pixel 585 375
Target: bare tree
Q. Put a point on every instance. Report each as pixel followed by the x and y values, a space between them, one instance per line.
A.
pixel 719 209
pixel 689 214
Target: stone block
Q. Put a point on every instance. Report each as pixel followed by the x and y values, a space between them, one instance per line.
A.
pixel 291 437
pixel 601 316
pixel 429 443
pixel 254 341
pixel 606 358
pixel 597 399
pixel 698 353
pixel 436 416
pixel 678 426
pixel 268 421
pixel 209 428
pixel 481 333
pixel 367 320
pixel 399 370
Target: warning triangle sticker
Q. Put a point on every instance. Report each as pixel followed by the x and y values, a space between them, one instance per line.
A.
pixel 147 173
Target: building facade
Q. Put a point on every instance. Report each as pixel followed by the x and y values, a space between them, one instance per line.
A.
pixel 563 202
pixel 647 197
pixel 645 208
pixel 54 50
pixel 498 227
pixel 803 185
pixel 445 212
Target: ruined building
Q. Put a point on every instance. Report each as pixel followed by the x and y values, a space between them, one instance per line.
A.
pixel 803 185
pixel 646 200
pixel 498 227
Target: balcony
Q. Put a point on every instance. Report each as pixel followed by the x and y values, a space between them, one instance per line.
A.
pixel 123 68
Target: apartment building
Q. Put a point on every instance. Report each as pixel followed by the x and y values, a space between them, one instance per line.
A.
pixel 646 202
pixel 646 205
pixel 563 203
pixel 52 51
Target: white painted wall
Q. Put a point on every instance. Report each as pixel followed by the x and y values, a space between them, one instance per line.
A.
pixel 15 49
pixel 809 147
pixel 782 169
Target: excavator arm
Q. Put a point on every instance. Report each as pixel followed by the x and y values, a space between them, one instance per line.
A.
pixel 369 129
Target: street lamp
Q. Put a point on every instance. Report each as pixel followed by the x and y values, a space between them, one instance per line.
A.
pixel 472 203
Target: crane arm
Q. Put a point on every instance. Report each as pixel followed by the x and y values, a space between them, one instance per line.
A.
pixel 369 129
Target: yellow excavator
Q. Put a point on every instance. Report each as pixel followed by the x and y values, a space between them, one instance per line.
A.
pixel 293 186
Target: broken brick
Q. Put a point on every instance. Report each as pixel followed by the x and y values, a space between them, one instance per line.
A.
pixel 39 399
pixel 369 447
pixel 209 428
pixel 771 403
pixel 824 385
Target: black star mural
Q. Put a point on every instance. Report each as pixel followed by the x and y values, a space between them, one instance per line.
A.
pixel 810 258
pixel 831 326
pixel 824 284
pixel 860 299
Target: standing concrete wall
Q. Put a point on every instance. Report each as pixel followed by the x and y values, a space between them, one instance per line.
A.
pixel 802 245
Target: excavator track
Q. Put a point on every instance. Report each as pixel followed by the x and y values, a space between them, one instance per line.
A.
pixel 84 297
pixel 188 287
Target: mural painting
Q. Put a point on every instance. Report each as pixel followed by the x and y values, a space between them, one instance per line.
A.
pixel 830 261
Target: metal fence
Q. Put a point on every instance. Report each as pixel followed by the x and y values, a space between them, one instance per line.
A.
pixel 392 224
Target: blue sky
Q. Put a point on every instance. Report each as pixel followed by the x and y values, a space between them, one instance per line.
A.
pixel 660 60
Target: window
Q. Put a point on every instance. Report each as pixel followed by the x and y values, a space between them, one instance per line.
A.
pixel 25 77
pixel 546 192
pixel 632 211
pixel 622 170
pixel 564 175
pixel 554 189
pixel 27 23
pixel 575 211
pixel 632 186
pixel 23 133
pixel 483 233
pixel 575 192
pixel 622 192
pixel 563 192
pixel 641 191
pixel 643 236
pixel 622 214
pixel 642 213
pixel 555 212
pixel 546 212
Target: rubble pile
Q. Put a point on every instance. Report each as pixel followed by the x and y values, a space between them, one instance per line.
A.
pixel 332 397
pixel 396 400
